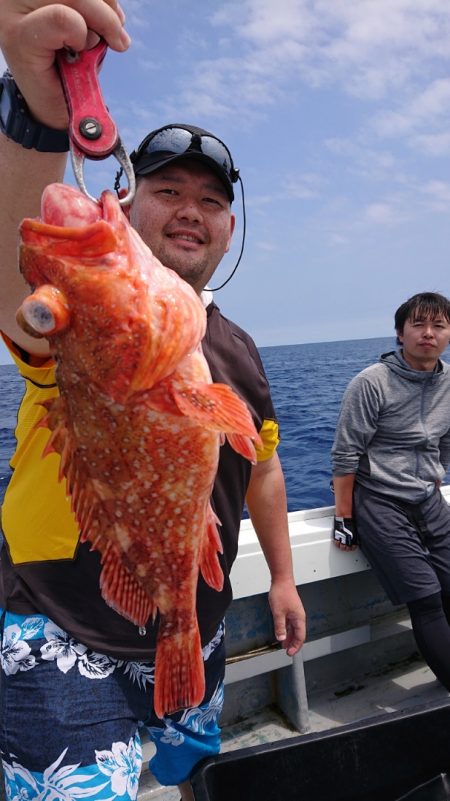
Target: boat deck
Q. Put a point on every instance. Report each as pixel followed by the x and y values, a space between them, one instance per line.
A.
pixel 400 688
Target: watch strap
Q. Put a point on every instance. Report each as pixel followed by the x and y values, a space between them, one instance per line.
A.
pixel 18 125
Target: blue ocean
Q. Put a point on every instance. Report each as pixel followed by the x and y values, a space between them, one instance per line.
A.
pixel 307 384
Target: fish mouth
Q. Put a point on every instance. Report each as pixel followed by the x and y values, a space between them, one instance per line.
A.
pixel 50 230
pixel 68 214
pixel 73 225
pixel 94 240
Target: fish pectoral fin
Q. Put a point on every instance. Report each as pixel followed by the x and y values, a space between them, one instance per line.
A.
pixel 159 398
pixel 179 668
pixel 216 406
pixel 212 544
pixel 244 446
pixel 119 588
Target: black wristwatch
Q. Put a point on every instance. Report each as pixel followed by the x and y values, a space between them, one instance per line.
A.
pixel 17 123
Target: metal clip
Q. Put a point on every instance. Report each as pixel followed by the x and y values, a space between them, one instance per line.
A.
pixel 78 159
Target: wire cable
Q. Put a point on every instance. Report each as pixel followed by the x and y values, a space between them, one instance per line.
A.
pixel 244 228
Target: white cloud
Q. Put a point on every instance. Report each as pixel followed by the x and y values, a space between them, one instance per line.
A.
pixel 137 14
pixel 258 22
pixel 439 194
pixel 268 247
pixel 303 187
pixel 427 108
pixel 339 239
pixel 432 144
pixel 380 213
pixel 364 160
pixel 368 47
pixel 381 51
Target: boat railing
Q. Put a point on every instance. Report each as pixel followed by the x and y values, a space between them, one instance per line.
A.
pixel 315 559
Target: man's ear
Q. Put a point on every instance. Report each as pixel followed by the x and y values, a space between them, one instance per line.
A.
pixel 126 209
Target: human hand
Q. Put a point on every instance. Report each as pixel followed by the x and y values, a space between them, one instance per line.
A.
pixel 289 619
pixel 345 535
pixel 31 32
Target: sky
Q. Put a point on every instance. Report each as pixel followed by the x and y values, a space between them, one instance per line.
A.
pixel 337 114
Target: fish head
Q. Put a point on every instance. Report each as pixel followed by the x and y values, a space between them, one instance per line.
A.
pixel 112 314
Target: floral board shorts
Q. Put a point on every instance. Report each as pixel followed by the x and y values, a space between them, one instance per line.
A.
pixel 70 718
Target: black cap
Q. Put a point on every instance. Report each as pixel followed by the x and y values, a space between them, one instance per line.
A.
pixel 145 162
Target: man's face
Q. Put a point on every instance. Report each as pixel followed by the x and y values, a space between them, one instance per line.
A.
pixel 423 340
pixel 182 212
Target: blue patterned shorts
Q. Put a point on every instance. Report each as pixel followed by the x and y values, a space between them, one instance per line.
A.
pixel 70 717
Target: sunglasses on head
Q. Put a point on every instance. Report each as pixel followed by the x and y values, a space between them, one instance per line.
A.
pixel 181 140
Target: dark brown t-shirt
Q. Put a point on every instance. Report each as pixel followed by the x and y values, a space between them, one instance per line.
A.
pixel 67 591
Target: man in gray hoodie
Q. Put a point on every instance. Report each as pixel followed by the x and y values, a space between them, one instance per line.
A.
pixel 391 452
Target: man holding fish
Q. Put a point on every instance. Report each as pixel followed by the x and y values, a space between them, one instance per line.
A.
pixel 82 662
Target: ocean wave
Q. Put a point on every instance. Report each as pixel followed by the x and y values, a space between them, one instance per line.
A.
pixel 307 383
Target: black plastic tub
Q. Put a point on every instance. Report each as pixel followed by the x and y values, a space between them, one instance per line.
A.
pixel 378 759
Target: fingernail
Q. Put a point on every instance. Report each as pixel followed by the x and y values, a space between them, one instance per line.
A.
pixel 125 39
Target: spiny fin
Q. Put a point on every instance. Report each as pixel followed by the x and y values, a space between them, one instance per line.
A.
pixel 179 669
pixel 120 589
pixel 243 445
pixel 55 440
pixel 217 407
pixel 55 414
pixel 209 561
pixel 59 440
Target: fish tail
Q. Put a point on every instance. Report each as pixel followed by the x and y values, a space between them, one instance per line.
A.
pixel 179 669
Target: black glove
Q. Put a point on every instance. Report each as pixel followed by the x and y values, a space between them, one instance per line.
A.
pixel 344 531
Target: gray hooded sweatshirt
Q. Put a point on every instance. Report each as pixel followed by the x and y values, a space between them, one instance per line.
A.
pixel 393 429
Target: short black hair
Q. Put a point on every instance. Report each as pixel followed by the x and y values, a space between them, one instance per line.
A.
pixel 423 306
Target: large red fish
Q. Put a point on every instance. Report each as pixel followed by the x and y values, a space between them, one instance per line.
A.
pixel 138 423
